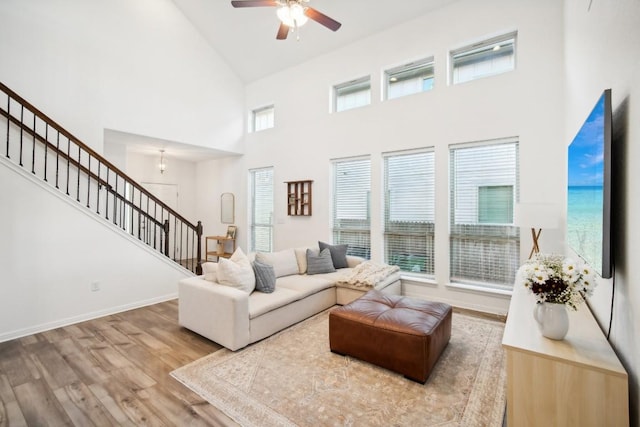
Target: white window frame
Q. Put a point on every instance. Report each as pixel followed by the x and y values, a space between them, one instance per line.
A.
pixel 412 76
pixel 483 255
pixel 409 232
pixel 262 118
pixel 351 223
pixel 255 225
pixel 358 92
pixel 485 55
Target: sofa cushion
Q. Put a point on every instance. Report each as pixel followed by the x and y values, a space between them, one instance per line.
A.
pixel 338 254
pixel 284 262
pixel 319 263
pixel 261 303
pixel 307 285
pixel 265 277
pixel 237 272
pixel 301 257
pixel 210 271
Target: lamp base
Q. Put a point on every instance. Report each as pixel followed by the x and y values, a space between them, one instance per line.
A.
pixel 535 235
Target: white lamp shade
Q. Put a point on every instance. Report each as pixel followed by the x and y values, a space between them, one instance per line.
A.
pixel 292 15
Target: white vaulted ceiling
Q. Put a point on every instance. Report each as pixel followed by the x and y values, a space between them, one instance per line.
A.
pixel 246 37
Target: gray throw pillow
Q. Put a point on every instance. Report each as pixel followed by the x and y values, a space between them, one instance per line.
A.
pixel 265 277
pixel 318 263
pixel 338 254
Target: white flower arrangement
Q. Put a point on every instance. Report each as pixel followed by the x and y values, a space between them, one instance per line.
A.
pixel 556 279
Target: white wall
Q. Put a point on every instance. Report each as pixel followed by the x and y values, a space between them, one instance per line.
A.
pixel 132 66
pixel 602 52
pixel 47 269
pixel 525 103
pixel 143 168
pixel 215 177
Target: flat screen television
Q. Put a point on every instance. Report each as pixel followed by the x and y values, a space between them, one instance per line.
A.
pixel 589 189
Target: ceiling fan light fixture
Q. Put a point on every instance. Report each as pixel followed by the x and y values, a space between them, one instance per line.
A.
pixel 292 15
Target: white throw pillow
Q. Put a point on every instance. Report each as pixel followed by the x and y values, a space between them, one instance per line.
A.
pixel 237 272
pixel 301 258
pixel 284 262
pixel 210 271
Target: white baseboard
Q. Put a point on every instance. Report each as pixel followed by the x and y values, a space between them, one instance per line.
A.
pixel 83 317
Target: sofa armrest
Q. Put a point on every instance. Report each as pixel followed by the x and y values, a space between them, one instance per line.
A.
pixel 220 313
pixel 353 260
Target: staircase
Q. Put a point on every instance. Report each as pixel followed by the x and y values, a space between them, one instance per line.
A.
pixel 41 147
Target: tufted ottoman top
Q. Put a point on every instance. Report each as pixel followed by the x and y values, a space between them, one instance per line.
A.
pixel 395 313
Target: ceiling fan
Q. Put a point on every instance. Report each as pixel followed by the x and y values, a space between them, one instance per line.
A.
pixel 292 14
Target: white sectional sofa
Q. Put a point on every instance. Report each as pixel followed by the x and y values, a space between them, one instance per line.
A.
pixel 234 318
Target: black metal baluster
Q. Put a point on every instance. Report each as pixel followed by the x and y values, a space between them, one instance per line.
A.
pixel 68 161
pixel 78 180
pixel 8 123
pixel 46 148
pixel 88 178
pixel 33 147
pixel 21 132
pixel 155 217
pixel 57 158
pixel 181 241
pixel 115 199
pixel 175 236
pixel 189 249
pixel 199 248
pixel 139 215
pixel 166 237
pixel 133 193
pixel 106 196
pixel 99 187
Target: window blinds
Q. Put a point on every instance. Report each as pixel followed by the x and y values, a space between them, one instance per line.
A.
pixel 484 244
pixel 491 57
pixel 409 210
pixel 350 213
pixel 261 181
pixel 353 94
pixel 263 118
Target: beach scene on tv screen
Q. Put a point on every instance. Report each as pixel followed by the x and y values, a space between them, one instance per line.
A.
pixel 585 189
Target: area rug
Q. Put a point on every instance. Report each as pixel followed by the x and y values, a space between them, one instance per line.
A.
pixel 293 379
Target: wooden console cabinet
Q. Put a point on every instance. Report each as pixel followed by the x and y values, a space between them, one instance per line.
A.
pixel 578 381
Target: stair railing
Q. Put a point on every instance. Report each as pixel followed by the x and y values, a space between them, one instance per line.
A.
pixel 43 148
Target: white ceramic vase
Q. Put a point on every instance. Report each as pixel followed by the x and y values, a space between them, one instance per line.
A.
pixel 553 320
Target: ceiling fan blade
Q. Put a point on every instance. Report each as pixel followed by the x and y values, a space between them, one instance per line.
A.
pixel 253 3
pixel 323 19
pixel 283 32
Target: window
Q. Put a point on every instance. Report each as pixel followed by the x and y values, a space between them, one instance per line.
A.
pixel 494 56
pixel 409 79
pixel 484 243
pixel 409 210
pixel 495 204
pixel 262 118
pixel 353 94
pixel 351 219
pixel 261 203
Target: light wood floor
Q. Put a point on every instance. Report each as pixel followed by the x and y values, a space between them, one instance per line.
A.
pixel 109 371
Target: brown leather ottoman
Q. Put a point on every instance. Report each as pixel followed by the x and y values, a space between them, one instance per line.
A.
pixel 398 333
